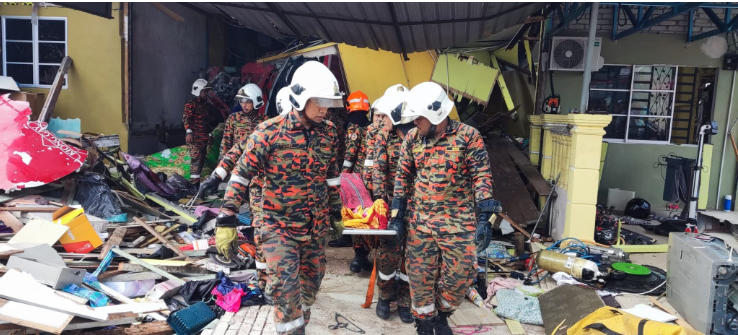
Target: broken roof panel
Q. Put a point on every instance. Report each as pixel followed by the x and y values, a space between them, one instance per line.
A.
pixel 378 25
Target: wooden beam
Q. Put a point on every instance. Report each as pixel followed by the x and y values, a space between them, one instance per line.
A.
pixel 164 233
pixel 167 11
pixel 188 269
pixel 151 328
pixel 55 90
pixel 146 265
pixel 30 209
pixel 8 314
pixel 515 225
pixel 162 239
pixel 529 170
pixel 11 221
pixel 114 240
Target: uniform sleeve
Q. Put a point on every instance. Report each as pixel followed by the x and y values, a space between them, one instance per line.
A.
pixel 229 160
pixel 250 164
pixel 352 149
pixel 333 179
pixel 380 172
pixel 227 142
pixel 477 162
pixel 187 117
pixel 405 170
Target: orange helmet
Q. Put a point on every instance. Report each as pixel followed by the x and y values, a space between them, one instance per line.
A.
pixel 358 101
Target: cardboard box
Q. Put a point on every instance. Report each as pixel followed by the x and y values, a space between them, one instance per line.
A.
pixel 81 237
pixel 46 266
pixel 36 100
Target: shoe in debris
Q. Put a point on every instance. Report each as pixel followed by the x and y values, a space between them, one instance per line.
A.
pixel 424 327
pixel 406 315
pixel 383 309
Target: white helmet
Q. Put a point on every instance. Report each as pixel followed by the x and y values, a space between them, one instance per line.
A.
pixel 251 92
pixel 373 108
pixel 394 105
pixel 199 85
pixel 396 88
pixel 314 80
pixel 430 101
pixel 283 101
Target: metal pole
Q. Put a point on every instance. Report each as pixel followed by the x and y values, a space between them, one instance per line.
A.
pixel 593 10
pixel 725 142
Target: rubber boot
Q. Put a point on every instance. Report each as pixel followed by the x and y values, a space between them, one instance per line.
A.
pixel 383 309
pixel 441 324
pixel 344 242
pixel 360 261
pixel 424 327
pixel 406 315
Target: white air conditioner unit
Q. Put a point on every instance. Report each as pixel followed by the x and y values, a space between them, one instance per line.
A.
pixel 567 53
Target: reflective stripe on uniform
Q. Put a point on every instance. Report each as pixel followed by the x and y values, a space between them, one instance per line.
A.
pixel 238 179
pixel 221 172
pixel 334 181
pixel 261 266
pixel 369 163
pixel 194 176
pixel 444 303
pixel 390 276
pixel 403 277
pixel 289 326
pixel 347 164
pixel 425 309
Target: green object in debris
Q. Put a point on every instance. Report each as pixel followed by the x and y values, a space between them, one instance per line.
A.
pixel 632 269
pixel 465 76
pixel 638 248
pixel 173 160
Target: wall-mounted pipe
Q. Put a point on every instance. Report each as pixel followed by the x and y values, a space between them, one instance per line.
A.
pixel 725 142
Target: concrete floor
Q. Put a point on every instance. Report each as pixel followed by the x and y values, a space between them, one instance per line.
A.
pixel 343 292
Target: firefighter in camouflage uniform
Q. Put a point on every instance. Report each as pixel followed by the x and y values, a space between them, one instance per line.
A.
pixel 357 120
pixel 197 127
pixel 238 127
pixel 296 154
pixel 393 282
pixel 444 170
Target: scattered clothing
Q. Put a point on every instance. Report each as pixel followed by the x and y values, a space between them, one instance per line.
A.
pixel 512 304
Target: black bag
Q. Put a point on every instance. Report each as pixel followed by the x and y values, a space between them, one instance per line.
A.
pixel 194 291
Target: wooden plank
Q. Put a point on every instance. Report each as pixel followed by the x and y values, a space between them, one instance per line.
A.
pixel 33 317
pixel 475 317
pixel 113 320
pixel 123 299
pixel 148 266
pixel 11 221
pixel 133 244
pixel 151 328
pixel 167 11
pixel 507 187
pixel 248 321
pixel 139 307
pixel 167 269
pixel 114 240
pixel 55 89
pixel 45 209
pixel 125 276
pixel 535 178
pixel 163 233
pixel 72 297
pixel 162 239
pixel 515 225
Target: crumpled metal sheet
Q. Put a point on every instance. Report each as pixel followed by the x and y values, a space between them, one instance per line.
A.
pixel 30 155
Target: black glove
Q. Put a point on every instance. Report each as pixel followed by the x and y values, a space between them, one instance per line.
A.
pixel 484 228
pixel 336 224
pixel 224 220
pixel 397 222
pixel 209 185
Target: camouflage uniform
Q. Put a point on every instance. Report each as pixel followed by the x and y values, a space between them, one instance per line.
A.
pixel 301 187
pixel 354 158
pixel 367 153
pixel 446 175
pixel 392 284
pixel 238 127
pixel 228 163
pixel 195 119
pixel 338 117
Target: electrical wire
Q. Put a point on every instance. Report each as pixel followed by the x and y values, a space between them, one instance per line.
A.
pixel 649 291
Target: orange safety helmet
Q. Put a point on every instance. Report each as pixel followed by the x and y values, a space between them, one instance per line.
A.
pixel 358 101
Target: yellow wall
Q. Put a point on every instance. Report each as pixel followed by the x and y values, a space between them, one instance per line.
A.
pixel 95 85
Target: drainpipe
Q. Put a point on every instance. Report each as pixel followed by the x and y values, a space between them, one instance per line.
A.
pixel 725 142
pixel 593 10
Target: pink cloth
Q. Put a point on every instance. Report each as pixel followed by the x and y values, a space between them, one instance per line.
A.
pixel 200 209
pixel 499 284
pixel 230 302
pixel 354 193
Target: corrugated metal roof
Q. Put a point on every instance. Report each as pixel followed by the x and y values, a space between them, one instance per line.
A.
pixel 375 25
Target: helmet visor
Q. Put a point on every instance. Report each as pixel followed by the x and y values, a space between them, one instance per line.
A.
pixel 396 113
pixel 328 103
pixel 242 100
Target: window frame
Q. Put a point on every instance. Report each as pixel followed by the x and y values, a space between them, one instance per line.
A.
pixel 631 90
pixel 35 43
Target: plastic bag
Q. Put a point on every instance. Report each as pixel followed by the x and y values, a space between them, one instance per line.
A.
pixel 96 299
pixel 194 291
pixel 95 196
pixel 230 302
pixel 146 177
pixel 181 186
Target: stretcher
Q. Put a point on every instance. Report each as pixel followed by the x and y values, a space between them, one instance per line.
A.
pixel 377 232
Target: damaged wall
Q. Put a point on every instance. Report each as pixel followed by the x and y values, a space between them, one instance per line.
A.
pixel 672 50
pixel 166 58
pixel 95 92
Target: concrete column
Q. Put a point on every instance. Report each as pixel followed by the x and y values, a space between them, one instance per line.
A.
pixel 534 143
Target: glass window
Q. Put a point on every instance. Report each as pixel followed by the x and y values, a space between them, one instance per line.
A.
pixel 33 54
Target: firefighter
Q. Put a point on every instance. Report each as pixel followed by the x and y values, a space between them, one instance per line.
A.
pixel 300 200
pixel 242 123
pixel 357 120
pixel 197 127
pixel 227 163
pixel 443 170
pixel 392 280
